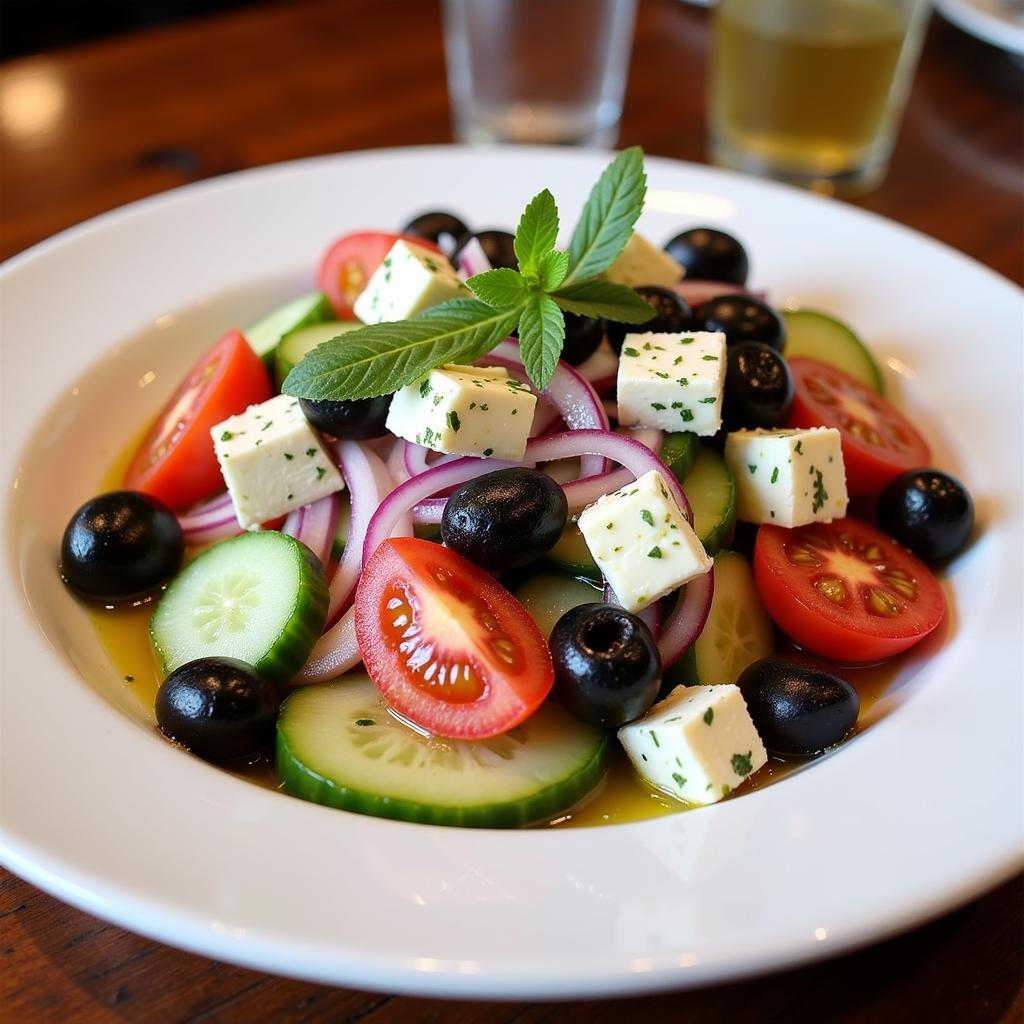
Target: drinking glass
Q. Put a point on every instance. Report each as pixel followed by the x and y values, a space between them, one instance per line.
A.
pixel 544 71
pixel 812 91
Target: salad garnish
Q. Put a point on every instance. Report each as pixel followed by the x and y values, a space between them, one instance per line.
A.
pixel 381 358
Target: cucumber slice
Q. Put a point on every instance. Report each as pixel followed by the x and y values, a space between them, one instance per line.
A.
pixel 260 597
pixel 296 345
pixel 679 452
pixel 571 555
pixel 710 487
pixel 817 335
pixel 547 597
pixel 338 745
pixel 265 335
pixel 738 631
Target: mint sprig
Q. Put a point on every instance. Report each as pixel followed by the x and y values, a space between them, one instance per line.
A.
pixel 381 358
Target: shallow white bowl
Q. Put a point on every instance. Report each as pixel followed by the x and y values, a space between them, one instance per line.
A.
pixel 920 812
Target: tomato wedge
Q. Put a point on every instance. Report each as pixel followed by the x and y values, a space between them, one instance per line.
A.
pixel 349 264
pixel 175 461
pixel 845 590
pixel 879 443
pixel 448 647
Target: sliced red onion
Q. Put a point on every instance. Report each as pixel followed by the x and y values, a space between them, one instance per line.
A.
pixel 314 525
pixel 696 291
pixel 687 620
pixel 545 416
pixel 416 489
pixel 473 259
pixel 650 616
pixel 368 484
pixel 577 402
pixel 335 652
pixel 209 521
pixel 635 458
pixel 396 463
pixel 415 458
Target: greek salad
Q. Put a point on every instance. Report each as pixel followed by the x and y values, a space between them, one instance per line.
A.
pixel 446 531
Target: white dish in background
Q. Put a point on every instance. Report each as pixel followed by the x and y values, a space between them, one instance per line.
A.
pixel 919 813
pixel 995 21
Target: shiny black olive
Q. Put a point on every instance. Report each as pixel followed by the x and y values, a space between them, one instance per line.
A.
pixel 758 387
pixel 710 255
pixel 582 336
pixel 799 709
pixel 435 224
pixel 607 665
pixel 354 420
pixel 120 546
pixel 498 247
pixel 505 519
pixel 927 511
pixel 743 318
pixel 671 315
pixel 220 708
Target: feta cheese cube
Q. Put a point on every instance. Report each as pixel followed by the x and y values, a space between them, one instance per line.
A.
pixel 642 542
pixel 411 279
pixel 697 745
pixel 640 262
pixel 672 381
pixel 273 461
pixel 787 477
pixel 465 410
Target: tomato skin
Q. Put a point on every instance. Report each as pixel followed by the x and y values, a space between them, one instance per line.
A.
pixel 223 382
pixel 349 263
pixel 845 632
pixel 879 443
pixel 420 604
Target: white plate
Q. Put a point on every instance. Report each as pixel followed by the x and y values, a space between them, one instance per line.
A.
pixel 918 814
pixel 994 21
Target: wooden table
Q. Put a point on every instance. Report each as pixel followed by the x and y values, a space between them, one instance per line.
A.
pixel 140 113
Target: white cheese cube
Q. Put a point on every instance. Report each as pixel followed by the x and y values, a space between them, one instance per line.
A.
pixel 787 477
pixel 697 745
pixel 640 262
pixel 672 381
pixel 411 279
pixel 642 542
pixel 466 410
pixel 273 461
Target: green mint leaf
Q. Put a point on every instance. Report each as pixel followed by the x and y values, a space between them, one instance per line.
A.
pixel 541 336
pixel 608 216
pixel 381 358
pixel 552 268
pixel 537 231
pixel 500 288
pixel 604 299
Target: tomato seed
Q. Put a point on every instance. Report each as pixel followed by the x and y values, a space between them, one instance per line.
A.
pixel 833 588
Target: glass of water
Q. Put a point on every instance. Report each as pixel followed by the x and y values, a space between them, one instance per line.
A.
pixel 540 71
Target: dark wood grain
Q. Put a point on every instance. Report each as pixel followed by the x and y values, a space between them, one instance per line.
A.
pixel 149 111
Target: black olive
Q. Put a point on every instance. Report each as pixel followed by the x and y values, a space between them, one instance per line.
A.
pixel 607 665
pixel 220 708
pixel 433 225
pixel 758 387
pixel 505 519
pixel 120 546
pixel 799 709
pixel 927 511
pixel 353 420
pixel 710 255
pixel 743 318
pixel 582 336
pixel 671 315
pixel 498 247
